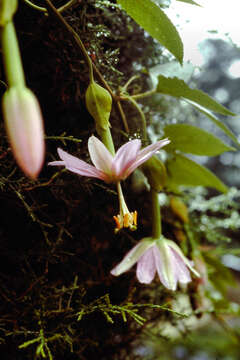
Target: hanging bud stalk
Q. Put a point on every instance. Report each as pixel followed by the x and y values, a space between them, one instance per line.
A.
pixel 7 10
pixel 21 110
pixel 99 105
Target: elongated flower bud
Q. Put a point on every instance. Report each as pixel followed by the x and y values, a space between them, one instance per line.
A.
pixel 24 126
pixel 99 104
pixel 7 10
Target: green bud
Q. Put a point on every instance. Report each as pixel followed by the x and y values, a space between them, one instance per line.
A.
pixel 155 172
pixel 7 10
pixel 99 105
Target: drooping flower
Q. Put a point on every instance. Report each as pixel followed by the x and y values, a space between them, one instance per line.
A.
pixel 24 124
pixel 107 167
pixel 157 255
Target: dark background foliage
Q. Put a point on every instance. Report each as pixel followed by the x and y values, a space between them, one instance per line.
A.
pixel 57 235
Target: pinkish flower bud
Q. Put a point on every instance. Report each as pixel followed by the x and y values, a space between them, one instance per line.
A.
pixel 24 124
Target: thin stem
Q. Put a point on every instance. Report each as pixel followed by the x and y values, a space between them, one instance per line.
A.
pixel 67 5
pixel 103 81
pixel 156 215
pixel 35 7
pixel 143 127
pixel 43 9
pixel 105 134
pixel 91 65
pixel 122 114
pixel 79 43
pixel 143 95
pixel 11 56
pixel 77 39
pixel 122 204
pixel 124 88
pixel 106 137
pixel 194 248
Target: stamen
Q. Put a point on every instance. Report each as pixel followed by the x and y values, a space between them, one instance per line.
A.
pixel 135 217
pixel 118 225
pixel 128 220
pixel 125 219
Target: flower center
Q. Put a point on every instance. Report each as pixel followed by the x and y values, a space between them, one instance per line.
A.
pixel 127 220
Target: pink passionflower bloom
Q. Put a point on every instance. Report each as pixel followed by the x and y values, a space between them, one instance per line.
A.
pixel 107 167
pixel 157 255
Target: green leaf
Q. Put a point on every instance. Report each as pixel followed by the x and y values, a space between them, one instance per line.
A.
pixel 183 171
pixel 184 71
pixel 178 88
pixel 217 122
pixel 193 140
pixel 148 15
pixel 189 2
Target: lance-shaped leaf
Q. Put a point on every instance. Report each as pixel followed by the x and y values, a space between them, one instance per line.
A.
pixel 193 140
pixel 178 88
pixel 148 15
pixel 217 122
pixel 183 171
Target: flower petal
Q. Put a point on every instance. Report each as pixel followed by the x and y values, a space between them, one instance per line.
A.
pixel 164 266
pixel 145 154
pixel 125 156
pixel 78 166
pixel 132 256
pixel 57 163
pixel 181 271
pixel 174 246
pixel 146 267
pixel 100 155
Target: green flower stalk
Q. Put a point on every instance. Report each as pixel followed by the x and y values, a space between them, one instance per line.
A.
pixel 21 110
pixel 7 10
